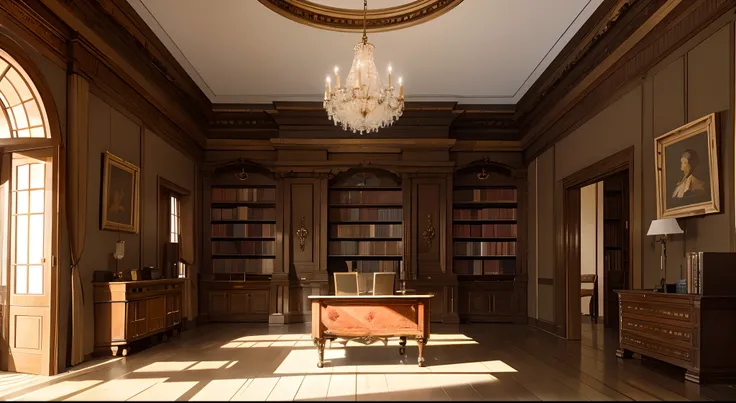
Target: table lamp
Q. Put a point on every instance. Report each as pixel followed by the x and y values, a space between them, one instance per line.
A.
pixel 664 227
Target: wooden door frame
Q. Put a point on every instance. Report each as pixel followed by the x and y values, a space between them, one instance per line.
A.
pixel 567 308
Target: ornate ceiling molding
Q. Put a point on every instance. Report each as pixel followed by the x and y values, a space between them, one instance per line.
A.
pixel 351 20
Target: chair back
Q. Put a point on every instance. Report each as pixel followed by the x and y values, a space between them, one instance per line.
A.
pixel 365 283
pixel 384 283
pixel 588 279
pixel 346 283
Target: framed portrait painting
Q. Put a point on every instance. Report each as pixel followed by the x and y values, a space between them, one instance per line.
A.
pixel 120 190
pixel 687 170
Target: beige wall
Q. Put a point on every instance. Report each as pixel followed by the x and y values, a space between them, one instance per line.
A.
pixel 588 237
pixel 695 80
pixel 117 132
pixel 591 240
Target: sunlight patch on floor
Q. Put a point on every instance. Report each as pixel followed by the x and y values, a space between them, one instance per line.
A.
pixel 207 365
pixel 167 366
pixel 117 389
pixel 59 390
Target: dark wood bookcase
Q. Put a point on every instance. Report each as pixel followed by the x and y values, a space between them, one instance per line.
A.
pixel 243 228
pixel 365 223
pixel 484 230
pixel 241 249
pixel 487 205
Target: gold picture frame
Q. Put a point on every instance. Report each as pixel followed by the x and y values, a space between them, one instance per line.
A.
pixel 687 170
pixel 120 194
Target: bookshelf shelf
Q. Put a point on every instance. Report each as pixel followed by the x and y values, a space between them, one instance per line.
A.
pixel 365 223
pixel 484 231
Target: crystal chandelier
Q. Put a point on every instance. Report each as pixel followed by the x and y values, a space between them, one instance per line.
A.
pixel 363 105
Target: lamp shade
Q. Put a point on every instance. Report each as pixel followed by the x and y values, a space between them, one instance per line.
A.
pixel 665 226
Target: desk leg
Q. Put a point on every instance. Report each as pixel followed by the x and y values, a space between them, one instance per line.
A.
pixel 402 345
pixel 421 342
pixel 320 343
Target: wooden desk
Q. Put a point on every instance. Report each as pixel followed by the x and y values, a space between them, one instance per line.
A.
pixel 694 332
pixel 126 311
pixel 371 316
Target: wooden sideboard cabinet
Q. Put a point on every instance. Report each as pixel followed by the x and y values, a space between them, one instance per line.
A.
pixel 691 331
pixel 126 311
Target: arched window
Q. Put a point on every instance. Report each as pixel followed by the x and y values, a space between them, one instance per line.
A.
pixel 22 114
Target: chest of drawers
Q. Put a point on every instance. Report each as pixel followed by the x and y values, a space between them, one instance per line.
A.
pixel 690 331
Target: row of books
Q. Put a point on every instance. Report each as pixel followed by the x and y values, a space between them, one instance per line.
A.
pixel 612 207
pixel 612 233
pixel 484 230
pixel 484 267
pixel 374 266
pixel 244 213
pixel 367 248
pixel 485 248
pixel 487 195
pixel 233 195
pixel 492 213
pixel 365 197
pixel 243 248
pixel 366 230
pixel 366 214
pixel 694 279
pixel 253 266
pixel 613 260
pixel 242 230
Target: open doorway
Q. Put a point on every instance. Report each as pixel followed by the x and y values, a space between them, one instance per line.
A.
pixel 597 249
pixel 604 251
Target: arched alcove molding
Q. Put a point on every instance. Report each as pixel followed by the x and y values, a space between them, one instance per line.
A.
pixel 242 170
pixel 369 177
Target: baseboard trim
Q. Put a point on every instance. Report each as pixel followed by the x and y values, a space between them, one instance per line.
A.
pixel 543 325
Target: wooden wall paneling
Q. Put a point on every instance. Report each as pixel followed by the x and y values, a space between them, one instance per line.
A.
pixel 429 198
pixel 522 257
pixel 409 247
pixel 279 298
pixel 428 216
pixel 303 268
pixel 205 266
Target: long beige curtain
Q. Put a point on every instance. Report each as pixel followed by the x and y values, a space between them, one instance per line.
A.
pixel 76 204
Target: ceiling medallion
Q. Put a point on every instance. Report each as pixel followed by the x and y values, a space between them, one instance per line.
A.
pixel 363 105
pixel 351 20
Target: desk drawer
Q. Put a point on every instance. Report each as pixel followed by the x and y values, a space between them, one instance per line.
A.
pixel 370 320
pixel 674 312
pixel 646 345
pixel 681 336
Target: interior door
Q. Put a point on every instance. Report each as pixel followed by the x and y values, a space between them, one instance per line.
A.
pixel 615 244
pixel 30 263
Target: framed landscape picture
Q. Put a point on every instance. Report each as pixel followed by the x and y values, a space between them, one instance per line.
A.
pixel 120 184
pixel 687 170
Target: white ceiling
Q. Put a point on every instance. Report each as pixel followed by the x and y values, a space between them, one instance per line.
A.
pixel 482 51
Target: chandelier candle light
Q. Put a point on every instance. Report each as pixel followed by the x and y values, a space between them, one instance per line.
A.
pixel 363 105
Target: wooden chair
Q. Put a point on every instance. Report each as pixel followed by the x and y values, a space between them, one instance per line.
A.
pixel 592 293
pixel 346 283
pixel 383 283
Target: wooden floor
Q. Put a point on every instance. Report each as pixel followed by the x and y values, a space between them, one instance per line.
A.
pixel 466 362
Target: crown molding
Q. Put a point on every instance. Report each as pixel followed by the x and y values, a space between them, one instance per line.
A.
pixel 351 20
pixel 669 25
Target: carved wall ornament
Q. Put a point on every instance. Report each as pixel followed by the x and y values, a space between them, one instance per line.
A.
pixel 351 20
pixel 242 175
pixel 302 234
pixel 429 232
